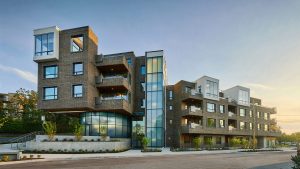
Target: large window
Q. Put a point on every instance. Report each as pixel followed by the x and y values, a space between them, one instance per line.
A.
pixel 50 93
pixel 112 124
pixel 266 116
pixel 170 95
pixel 222 109
pixel 211 122
pixel 243 112
pixel 44 44
pixel 211 89
pixel 50 72
pixel 77 43
pixel 143 103
pixel 243 97
pixel 143 70
pixel 250 126
pixel 251 113
pixel 211 107
pixel 155 101
pixel 266 128
pixel 78 68
pixel 77 90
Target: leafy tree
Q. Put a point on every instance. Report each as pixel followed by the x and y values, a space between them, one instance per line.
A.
pixel 197 142
pixel 50 129
pixel 78 128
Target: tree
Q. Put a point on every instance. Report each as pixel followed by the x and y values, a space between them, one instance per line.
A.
pixel 2 122
pixel 296 162
pixel 234 142
pixel 50 129
pixel 245 143
pixel 78 128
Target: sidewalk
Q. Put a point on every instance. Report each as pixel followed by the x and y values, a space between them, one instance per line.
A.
pixel 129 153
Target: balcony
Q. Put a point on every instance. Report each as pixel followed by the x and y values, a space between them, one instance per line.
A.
pixel 231 114
pixel 268 133
pixel 192 112
pixel 116 63
pixel 115 105
pixel 116 82
pixel 242 132
pixel 191 96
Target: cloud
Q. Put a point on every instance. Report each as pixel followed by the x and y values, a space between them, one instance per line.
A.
pixel 259 86
pixel 21 73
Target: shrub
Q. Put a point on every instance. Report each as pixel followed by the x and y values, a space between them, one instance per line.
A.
pixel 39 156
pixel 245 143
pixel 92 140
pixel 71 139
pixel 78 130
pixel 5 158
pixel 296 162
pixel 24 157
pixel 197 143
pixel 209 142
pixel 234 142
pixel 145 141
pixel 50 129
pixel 31 156
pixel 64 139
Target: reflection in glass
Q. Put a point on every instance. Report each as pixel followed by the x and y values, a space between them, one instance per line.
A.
pixel 77 43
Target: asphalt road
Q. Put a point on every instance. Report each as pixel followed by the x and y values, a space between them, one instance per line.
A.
pixel 262 160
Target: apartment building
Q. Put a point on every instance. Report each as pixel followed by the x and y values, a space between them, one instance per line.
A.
pixel 127 94
pixel 198 109
pixel 105 90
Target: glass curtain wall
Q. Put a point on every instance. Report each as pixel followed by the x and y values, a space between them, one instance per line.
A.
pixel 155 102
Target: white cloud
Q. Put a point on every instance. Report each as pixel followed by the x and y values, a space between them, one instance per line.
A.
pixel 21 73
pixel 259 86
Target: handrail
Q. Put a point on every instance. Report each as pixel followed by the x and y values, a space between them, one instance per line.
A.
pixel 22 138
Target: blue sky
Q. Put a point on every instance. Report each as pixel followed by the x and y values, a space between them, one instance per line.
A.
pixel 251 43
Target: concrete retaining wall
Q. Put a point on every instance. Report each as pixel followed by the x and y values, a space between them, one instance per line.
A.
pixel 39 144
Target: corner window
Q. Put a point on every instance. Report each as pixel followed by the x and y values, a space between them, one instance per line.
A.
pixel 78 68
pixel 44 44
pixel 211 107
pixel 211 89
pixel 77 43
pixel 50 93
pixel 143 70
pixel 77 90
pixel 50 72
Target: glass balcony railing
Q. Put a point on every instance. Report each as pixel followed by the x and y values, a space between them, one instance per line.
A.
pixel 231 114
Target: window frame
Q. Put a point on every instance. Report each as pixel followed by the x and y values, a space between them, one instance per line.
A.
pixel 55 95
pixel 209 110
pixel 75 73
pixel 73 91
pixel 49 66
pixel 71 43
pixel 48 52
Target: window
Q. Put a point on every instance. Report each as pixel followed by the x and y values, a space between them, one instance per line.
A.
pixel 243 112
pixel 50 72
pixel 187 90
pixel 218 140
pixel 211 89
pixel 77 43
pixel 129 61
pixel 242 125
pixel 50 93
pixel 44 44
pixel 250 113
pixel 222 123
pixel 258 114
pixel 258 126
pixel 243 97
pixel 222 109
pixel 170 107
pixel 143 86
pixel 266 127
pixel 211 107
pixel 250 126
pixel 77 90
pixel 266 116
pixel 170 95
pixel 143 103
pixel 143 70
pixel 78 68
pixel 211 122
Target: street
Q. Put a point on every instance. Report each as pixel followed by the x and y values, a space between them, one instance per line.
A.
pixel 263 160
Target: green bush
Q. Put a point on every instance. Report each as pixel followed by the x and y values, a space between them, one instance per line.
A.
pixel 78 131
pixel 145 142
pixel 50 129
pixel 234 142
pixel 296 162
pixel 197 142
pixel 5 158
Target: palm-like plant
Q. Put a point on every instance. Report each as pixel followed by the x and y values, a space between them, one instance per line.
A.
pixel 78 128
pixel 50 129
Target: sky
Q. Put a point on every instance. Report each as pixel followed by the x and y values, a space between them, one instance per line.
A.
pixel 254 43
